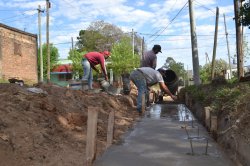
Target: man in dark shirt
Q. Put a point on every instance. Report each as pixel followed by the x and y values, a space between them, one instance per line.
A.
pixel 143 78
pixel 149 58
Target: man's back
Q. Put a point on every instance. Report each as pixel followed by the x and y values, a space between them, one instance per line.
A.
pixel 149 59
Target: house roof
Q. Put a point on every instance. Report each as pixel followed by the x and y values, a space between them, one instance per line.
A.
pixel 67 68
pixel 17 30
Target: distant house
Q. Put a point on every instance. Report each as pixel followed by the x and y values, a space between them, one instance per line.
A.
pixel 18 54
pixel 62 73
pixel 246 70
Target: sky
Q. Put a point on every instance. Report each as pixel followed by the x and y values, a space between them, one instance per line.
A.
pixel 164 22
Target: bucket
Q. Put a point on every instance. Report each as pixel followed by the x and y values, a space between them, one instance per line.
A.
pixel 85 85
pixel 171 80
pixel 105 84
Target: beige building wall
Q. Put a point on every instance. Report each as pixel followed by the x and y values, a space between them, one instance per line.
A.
pixel 18 55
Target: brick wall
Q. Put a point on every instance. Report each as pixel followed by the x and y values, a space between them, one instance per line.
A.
pixel 18 55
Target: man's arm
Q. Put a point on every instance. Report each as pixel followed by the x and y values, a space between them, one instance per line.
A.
pixel 166 90
pixel 93 67
pixel 103 66
pixel 154 63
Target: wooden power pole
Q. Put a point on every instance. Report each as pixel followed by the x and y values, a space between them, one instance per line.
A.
pixel 228 50
pixel 194 45
pixel 40 42
pixel 133 42
pixel 142 51
pixel 47 37
pixel 215 42
pixel 238 40
pixel 72 44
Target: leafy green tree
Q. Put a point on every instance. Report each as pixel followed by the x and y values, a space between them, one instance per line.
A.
pixel 99 36
pixel 54 55
pixel 177 67
pixel 76 58
pixel 205 71
pixel 246 49
pixel 88 40
pixel 122 59
pixel 245 13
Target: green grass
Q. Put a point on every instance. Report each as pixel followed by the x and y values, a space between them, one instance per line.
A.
pixel 3 81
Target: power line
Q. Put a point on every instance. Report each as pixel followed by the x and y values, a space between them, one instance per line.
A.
pixel 146 34
pixel 187 48
pixel 171 21
pixel 20 18
pixel 181 39
pixel 169 10
pixel 200 4
pixel 16 15
pixel 14 10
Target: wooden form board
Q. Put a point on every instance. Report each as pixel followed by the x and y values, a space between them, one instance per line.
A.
pixel 110 132
pixel 91 134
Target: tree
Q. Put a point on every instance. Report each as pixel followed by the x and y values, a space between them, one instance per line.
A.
pixel 177 67
pixel 99 36
pixel 76 58
pixel 88 40
pixel 246 50
pixel 245 13
pixel 205 71
pixel 54 55
pixel 122 59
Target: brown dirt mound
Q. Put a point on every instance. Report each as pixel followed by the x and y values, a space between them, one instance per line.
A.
pixel 50 129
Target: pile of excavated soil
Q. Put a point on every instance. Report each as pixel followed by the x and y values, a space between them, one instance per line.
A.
pixel 50 128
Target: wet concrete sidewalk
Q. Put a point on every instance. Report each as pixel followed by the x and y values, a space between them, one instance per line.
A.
pixel 168 135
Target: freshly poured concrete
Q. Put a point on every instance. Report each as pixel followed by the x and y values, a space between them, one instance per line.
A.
pixel 162 138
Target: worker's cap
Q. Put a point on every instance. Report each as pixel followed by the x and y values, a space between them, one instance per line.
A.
pixel 106 53
pixel 157 47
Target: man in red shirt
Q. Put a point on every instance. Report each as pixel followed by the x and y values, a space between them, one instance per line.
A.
pixel 89 61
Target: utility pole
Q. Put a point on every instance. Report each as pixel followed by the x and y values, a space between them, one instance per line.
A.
pixel 242 40
pixel 184 74
pixel 194 45
pixel 40 42
pixel 207 58
pixel 228 50
pixel 238 40
pixel 48 45
pixel 142 50
pixel 133 42
pixel 72 43
pixel 215 42
pixel 187 76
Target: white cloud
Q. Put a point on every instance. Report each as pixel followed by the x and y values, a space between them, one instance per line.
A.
pixel 227 10
pixel 67 17
pixel 140 3
pixel 170 5
pixel 206 3
pixel 25 4
pixel 155 6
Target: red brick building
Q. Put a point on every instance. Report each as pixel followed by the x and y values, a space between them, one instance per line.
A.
pixel 18 54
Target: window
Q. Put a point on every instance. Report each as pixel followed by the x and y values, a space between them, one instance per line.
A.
pixel 17 49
